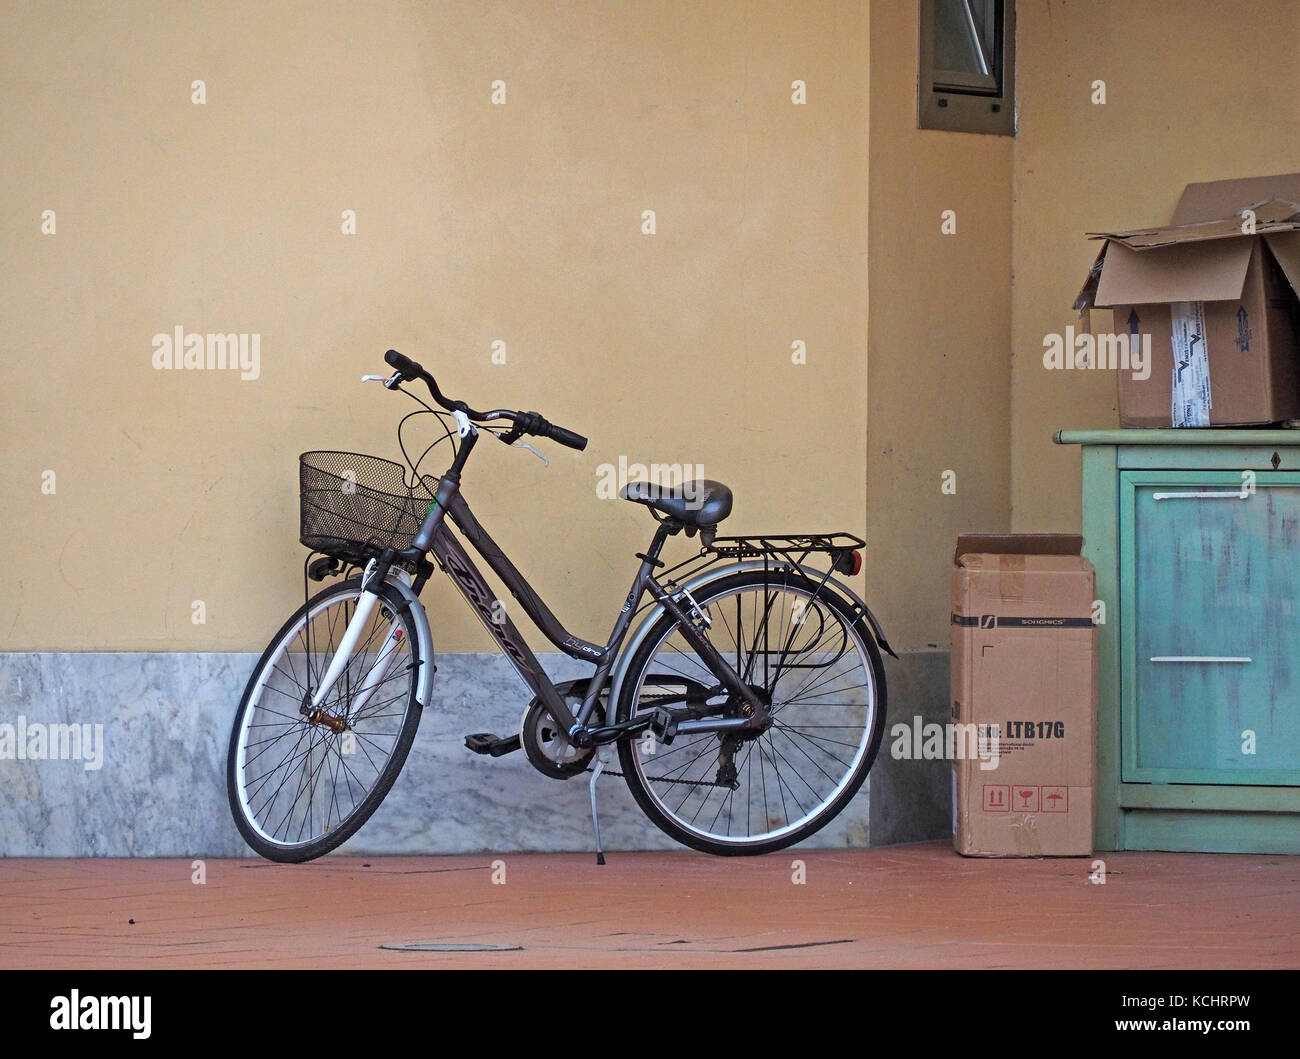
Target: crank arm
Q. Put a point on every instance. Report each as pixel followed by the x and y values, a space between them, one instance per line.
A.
pixel 611 733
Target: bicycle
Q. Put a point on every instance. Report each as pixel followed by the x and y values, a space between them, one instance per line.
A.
pixel 746 707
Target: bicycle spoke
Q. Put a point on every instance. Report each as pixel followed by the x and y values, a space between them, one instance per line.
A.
pixel 799 650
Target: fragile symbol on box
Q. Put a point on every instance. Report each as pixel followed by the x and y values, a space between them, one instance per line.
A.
pixel 1056 799
pixel 1026 798
pixel 997 798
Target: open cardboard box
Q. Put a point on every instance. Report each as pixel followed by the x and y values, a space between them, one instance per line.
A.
pixel 1214 293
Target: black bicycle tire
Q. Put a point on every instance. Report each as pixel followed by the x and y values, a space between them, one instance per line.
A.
pixel 641 660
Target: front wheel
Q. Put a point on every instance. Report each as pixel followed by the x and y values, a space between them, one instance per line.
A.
pixel 806 653
pixel 303 776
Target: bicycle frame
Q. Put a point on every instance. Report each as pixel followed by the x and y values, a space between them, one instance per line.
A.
pixel 434 537
pixel 453 557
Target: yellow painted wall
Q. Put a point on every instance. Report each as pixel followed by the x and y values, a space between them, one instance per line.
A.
pixel 475 222
pixel 522 223
pixel 938 393
pixel 1195 90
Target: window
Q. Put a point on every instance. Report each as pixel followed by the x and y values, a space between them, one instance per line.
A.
pixel 967 66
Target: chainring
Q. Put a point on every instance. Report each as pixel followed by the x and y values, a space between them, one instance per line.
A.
pixel 546 744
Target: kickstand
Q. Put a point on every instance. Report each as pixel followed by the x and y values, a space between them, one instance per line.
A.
pixel 595 818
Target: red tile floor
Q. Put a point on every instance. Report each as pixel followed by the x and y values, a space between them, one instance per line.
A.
pixel 901 906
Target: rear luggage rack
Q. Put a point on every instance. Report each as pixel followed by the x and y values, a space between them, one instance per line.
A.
pixel 777 551
pixel 793 549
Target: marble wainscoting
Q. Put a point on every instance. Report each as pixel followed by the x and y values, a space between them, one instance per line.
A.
pixel 159 789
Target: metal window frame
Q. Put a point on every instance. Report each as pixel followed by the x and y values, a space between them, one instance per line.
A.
pixel 972 106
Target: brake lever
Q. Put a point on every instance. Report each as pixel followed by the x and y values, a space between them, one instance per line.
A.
pixel 504 437
pixel 525 445
pixel 390 382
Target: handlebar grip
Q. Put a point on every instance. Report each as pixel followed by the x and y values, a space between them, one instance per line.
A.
pixel 404 364
pixel 566 437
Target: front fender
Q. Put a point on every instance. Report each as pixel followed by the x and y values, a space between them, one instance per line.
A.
pixel 399 580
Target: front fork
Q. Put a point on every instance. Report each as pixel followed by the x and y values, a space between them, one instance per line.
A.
pixel 367 601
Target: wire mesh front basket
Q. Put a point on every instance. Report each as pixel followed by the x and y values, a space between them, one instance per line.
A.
pixel 355 506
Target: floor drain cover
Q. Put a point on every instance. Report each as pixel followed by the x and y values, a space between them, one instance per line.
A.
pixel 452 946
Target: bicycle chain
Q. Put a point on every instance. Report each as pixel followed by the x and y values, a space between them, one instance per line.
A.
pixel 663 779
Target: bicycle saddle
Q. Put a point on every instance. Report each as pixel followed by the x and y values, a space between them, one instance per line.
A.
pixel 702 502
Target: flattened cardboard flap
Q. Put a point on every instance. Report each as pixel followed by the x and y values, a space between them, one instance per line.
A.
pixel 1207 213
pixel 1216 199
pixel 1017 544
pixel 1180 272
pixel 1273 215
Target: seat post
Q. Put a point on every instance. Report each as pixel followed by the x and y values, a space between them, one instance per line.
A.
pixel 666 529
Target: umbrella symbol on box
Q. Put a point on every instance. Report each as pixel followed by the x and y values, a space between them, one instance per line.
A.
pixel 1056 799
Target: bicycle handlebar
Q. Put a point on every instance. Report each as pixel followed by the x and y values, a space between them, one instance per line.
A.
pixel 524 422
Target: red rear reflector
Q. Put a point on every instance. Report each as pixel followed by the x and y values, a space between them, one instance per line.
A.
pixel 857 563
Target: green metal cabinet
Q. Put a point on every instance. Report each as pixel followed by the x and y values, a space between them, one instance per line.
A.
pixel 1195 535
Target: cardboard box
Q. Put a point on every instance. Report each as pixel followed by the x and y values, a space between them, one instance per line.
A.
pixel 1215 294
pixel 1024 672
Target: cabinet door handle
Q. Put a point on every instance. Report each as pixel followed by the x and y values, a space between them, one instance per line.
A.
pixel 1200 658
pixel 1202 495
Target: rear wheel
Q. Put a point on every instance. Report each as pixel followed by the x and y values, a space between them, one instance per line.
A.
pixel 806 653
pixel 302 779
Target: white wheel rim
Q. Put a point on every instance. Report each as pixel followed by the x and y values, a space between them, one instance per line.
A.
pixel 254 703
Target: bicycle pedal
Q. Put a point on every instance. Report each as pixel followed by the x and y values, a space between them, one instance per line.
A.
pixel 494 745
pixel 664 725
